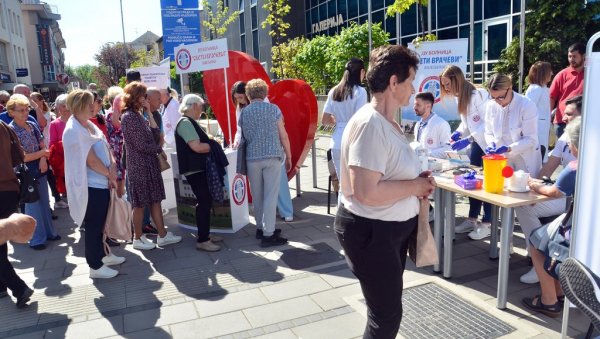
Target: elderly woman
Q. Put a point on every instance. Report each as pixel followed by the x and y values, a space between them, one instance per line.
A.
pixel 115 140
pixel 380 189
pixel 146 188
pixel 36 160
pixel 89 164
pixel 551 298
pixel 192 149
pixel 265 135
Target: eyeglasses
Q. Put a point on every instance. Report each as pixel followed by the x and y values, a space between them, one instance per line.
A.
pixel 502 97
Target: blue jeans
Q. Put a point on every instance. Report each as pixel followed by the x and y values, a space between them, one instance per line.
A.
pixel 474 204
pixel 284 199
pixel 40 211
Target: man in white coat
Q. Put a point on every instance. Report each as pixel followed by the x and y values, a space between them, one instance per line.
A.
pixel 432 131
pixel 170 116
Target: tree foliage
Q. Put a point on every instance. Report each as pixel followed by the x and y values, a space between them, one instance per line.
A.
pixel 283 58
pixel 217 19
pixel 353 41
pixel 401 6
pixel 551 26
pixel 112 63
pixel 311 62
pixel 83 72
pixel 278 10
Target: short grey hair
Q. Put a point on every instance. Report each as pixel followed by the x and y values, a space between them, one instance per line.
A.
pixel 574 130
pixel 188 101
pixel 61 100
pixel 152 90
pixel 112 93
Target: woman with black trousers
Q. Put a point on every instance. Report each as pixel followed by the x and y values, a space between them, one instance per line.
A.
pixel 192 149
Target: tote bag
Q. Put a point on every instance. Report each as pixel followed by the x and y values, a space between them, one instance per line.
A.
pixel 118 218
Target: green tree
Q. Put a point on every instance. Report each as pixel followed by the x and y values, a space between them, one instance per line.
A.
pixel 312 63
pixel 401 6
pixel 353 41
pixel 143 58
pixel 83 72
pixel 217 19
pixel 278 10
pixel 283 58
pixel 551 26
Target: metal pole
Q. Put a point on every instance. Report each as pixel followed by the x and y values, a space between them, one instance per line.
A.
pixel 521 45
pixel 472 40
pixel 314 162
pixel 429 17
pixel 369 15
pixel 124 44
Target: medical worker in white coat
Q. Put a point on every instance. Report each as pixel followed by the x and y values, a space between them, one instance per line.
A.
pixel 471 108
pixel 432 131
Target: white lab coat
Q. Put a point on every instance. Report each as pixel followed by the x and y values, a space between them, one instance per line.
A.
pixel 434 136
pixel 472 124
pixel 522 133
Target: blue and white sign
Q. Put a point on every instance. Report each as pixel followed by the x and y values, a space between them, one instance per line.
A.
pixel 180 27
pixel 187 4
pixel 434 57
pixel 202 56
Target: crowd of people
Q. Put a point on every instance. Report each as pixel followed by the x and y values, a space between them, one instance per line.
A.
pixel 80 144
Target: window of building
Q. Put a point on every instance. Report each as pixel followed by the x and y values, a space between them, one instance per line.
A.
pixel 306 4
pixel 2 17
pixel 10 23
pixel 322 12
pixel 449 33
pixel 252 2
pixel 254 18
pixel 376 5
pixel 450 17
pixel 19 26
pixel 241 5
pixel 49 73
pixel 3 57
pixel 363 7
pixel 242 31
pixel 464 11
pixel 478 10
pixel 342 8
pixel 352 9
pixel 378 17
pixel 409 21
pixel 494 8
pixel 390 26
pixel 14 22
pixel 255 50
pixel 254 24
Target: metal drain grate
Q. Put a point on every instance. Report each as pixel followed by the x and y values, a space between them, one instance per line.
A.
pixel 431 311
pixel 316 254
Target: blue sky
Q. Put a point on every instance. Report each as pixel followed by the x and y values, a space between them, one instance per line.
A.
pixel 86 25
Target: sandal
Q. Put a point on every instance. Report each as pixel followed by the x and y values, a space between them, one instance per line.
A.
pixel 535 304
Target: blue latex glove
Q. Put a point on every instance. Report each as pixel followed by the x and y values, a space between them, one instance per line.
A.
pixel 460 144
pixel 491 149
pixel 455 136
pixel 500 150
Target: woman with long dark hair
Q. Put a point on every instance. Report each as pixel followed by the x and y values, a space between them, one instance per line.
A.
pixel 342 102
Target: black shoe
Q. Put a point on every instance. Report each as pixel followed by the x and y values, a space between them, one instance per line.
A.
pixel 579 284
pixel 55 238
pixel 39 247
pixel 24 298
pixel 112 242
pixel 259 233
pixel 149 229
pixel 274 240
pixel 54 216
pixel 3 294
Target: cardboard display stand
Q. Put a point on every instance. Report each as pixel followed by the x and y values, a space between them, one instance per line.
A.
pixel 227 217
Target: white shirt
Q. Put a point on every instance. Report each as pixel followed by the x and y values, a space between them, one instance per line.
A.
pixel 472 124
pixel 343 111
pixel 540 96
pixel 371 142
pixel 562 151
pixel 434 135
pixel 170 117
pixel 520 117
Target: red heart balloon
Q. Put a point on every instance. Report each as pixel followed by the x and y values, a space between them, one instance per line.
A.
pixel 298 104
pixel 242 67
pixel 295 98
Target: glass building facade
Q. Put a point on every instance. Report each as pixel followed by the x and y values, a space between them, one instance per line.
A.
pixel 496 22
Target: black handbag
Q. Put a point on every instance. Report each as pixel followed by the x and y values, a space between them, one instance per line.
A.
pixel 29 187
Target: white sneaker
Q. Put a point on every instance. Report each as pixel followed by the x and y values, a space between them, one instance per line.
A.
pixel 143 243
pixel 103 272
pixel 288 219
pixel 111 260
pixel 168 239
pixel 61 204
pixel 482 231
pixel 530 277
pixel 466 226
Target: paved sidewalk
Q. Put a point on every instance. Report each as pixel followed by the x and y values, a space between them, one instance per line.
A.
pixel 301 290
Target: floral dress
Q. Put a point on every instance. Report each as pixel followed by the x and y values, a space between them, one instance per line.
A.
pixel 115 140
pixel 145 181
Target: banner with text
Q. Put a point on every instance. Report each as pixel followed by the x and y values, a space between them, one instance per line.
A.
pixel 155 76
pixel 201 56
pixel 434 57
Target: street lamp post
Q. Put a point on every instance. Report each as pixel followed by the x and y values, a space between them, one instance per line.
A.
pixel 124 44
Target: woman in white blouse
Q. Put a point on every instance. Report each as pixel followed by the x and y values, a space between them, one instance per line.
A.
pixel 381 185
pixel 343 101
pixel 539 76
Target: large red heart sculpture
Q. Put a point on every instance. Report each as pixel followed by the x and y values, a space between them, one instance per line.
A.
pixel 295 98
